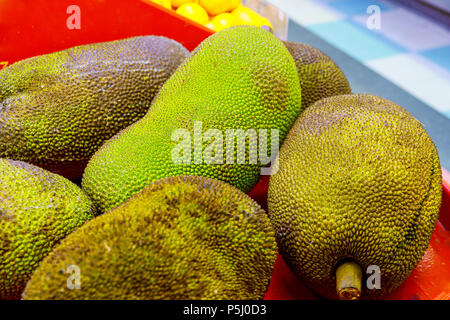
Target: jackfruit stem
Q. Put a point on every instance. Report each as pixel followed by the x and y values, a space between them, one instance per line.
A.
pixel 349 280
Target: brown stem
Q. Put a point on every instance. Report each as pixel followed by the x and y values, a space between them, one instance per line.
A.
pixel 349 280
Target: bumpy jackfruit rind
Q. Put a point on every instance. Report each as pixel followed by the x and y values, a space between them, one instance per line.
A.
pixel 59 108
pixel 180 238
pixel 239 78
pixel 37 210
pixel 319 75
pixel 340 193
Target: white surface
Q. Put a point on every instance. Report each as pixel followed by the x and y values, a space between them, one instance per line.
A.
pixel 442 4
pixel 416 76
pixel 306 12
pixel 411 30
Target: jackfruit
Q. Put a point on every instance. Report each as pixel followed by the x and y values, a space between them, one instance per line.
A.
pixel 37 209
pixel 319 76
pixel 358 186
pixel 241 78
pixel 58 109
pixel 180 238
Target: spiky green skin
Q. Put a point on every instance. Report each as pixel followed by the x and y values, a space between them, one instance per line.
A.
pixel 37 210
pixel 359 179
pixel 239 78
pixel 319 76
pixel 180 238
pixel 58 109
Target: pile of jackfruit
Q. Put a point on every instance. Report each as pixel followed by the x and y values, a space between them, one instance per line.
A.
pixel 125 166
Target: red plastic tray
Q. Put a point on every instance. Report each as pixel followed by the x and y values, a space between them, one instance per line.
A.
pixel 29 28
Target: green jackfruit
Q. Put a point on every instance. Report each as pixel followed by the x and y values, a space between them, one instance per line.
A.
pixel 37 209
pixel 239 78
pixel 58 109
pixel 180 238
pixel 319 76
pixel 359 185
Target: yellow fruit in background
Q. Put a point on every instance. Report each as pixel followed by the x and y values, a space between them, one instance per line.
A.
pixel 178 3
pixel 233 4
pixel 246 16
pixel 242 9
pixel 266 22
pixel 164 3
pixel 194 12
pixel 214 7
pixel 240 6
pixel 211 26
pixel 222 21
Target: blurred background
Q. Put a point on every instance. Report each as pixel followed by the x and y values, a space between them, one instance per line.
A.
pixel 410 46
pixel 399 49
